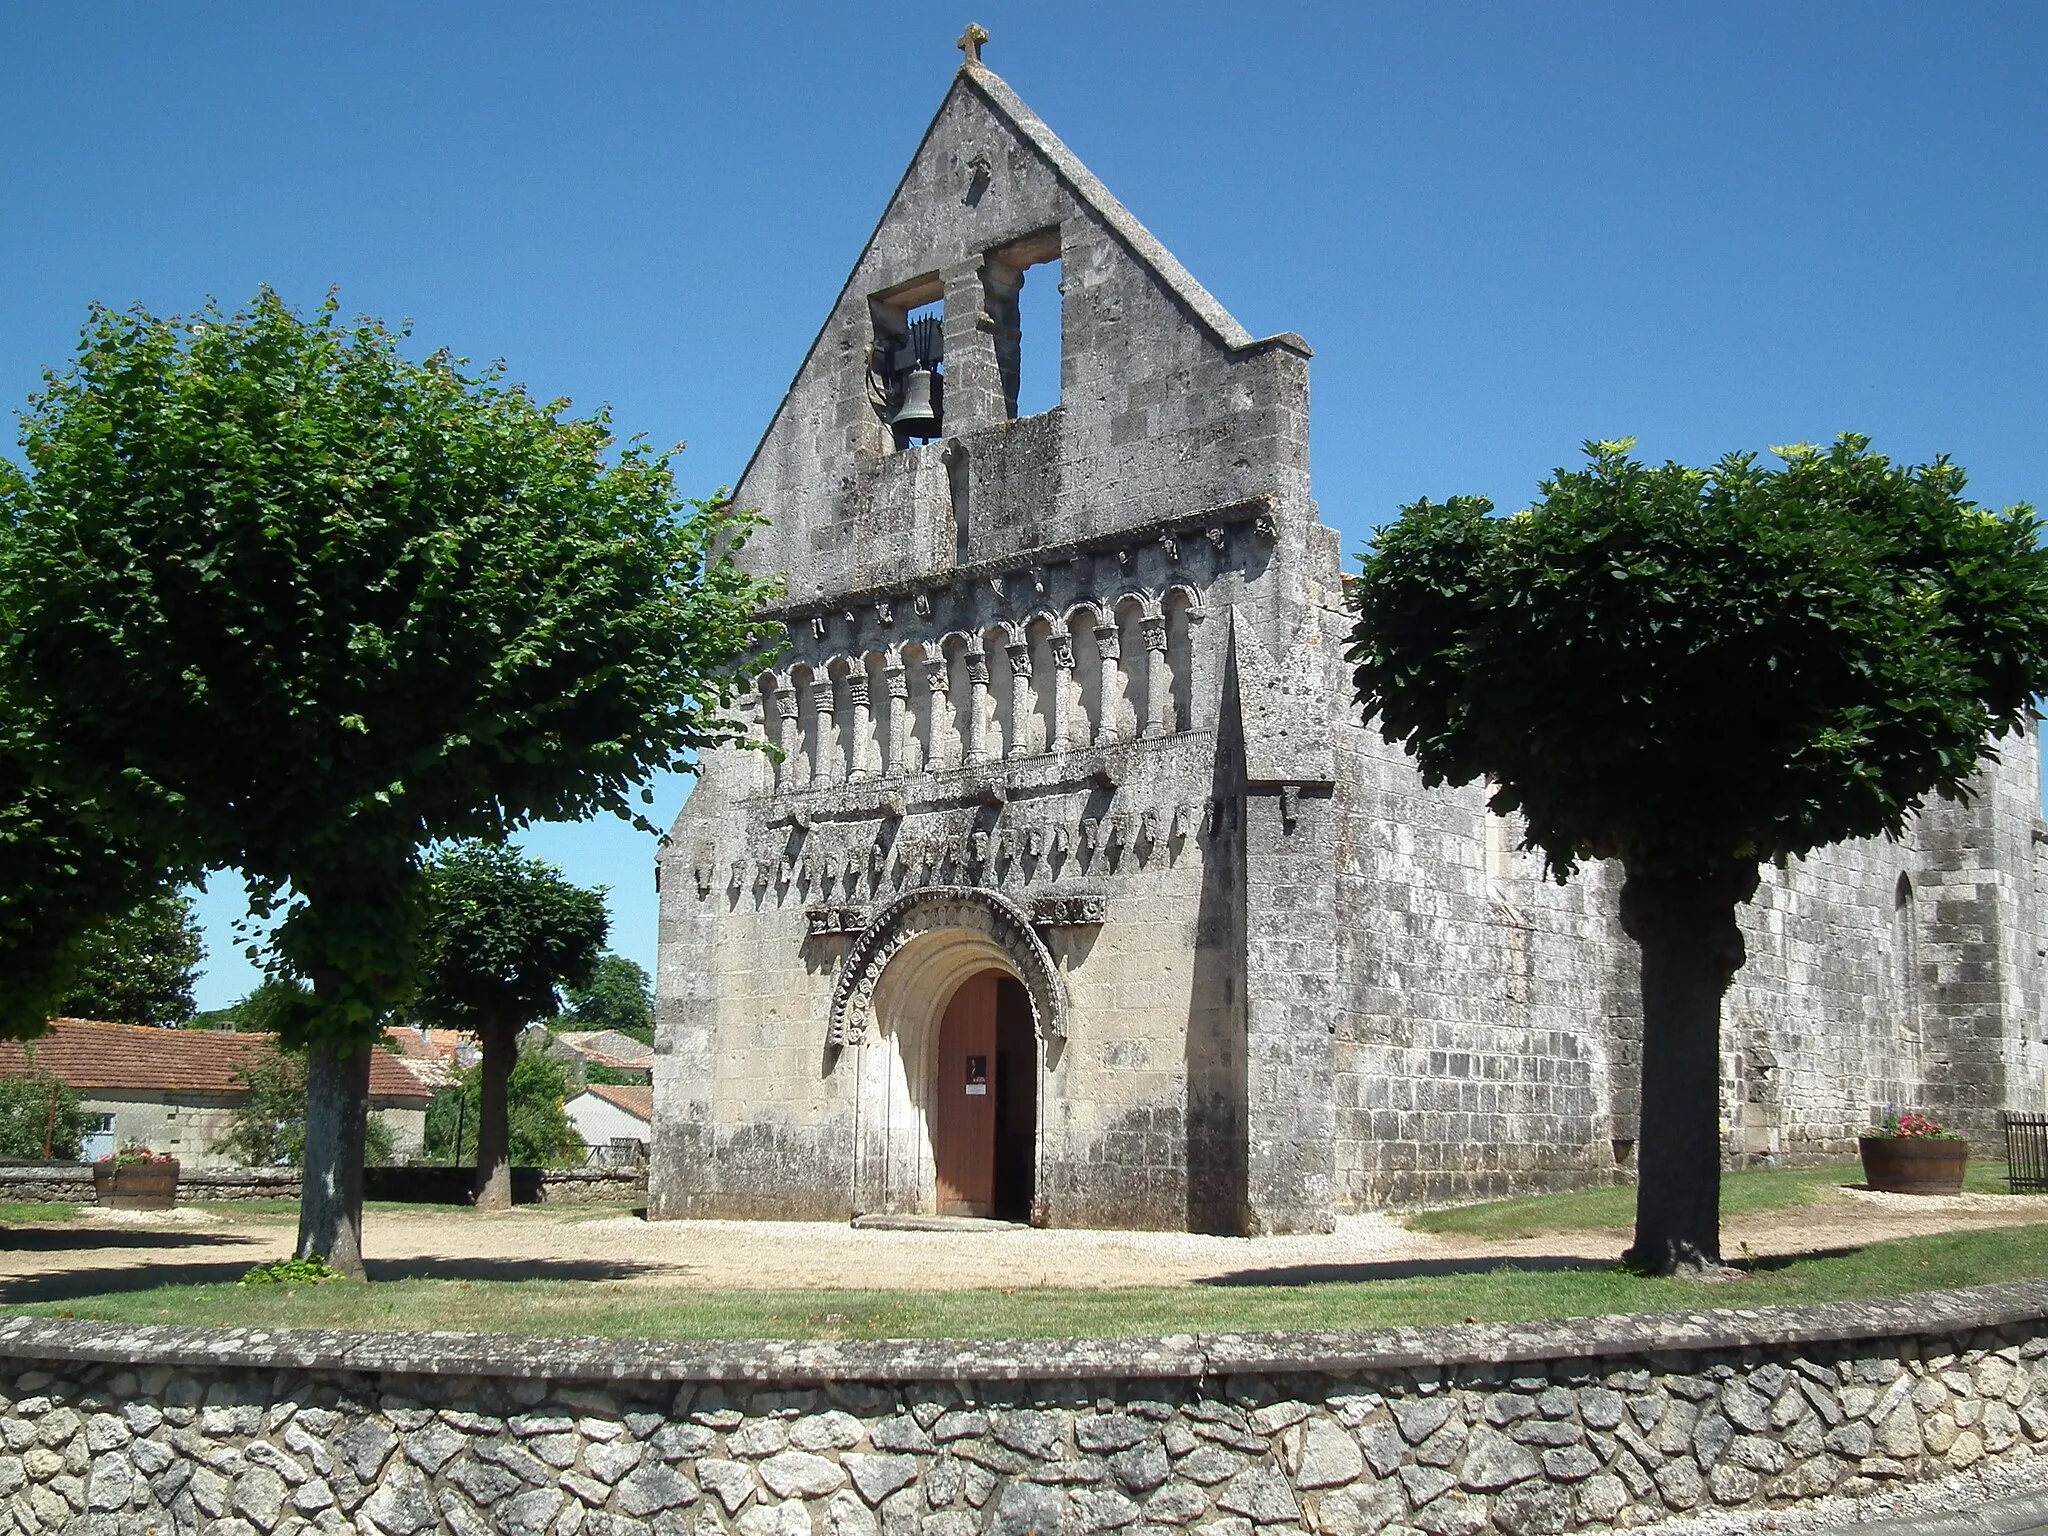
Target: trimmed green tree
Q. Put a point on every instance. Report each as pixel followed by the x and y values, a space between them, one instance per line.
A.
pixel 303 606
pixel 504 933
pixel 619 996
pixel 1694 671
pixel 139 968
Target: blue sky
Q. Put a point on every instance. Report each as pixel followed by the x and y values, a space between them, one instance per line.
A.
pixel 1504 228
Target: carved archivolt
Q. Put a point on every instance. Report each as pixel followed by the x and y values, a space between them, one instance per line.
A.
pixel 942 909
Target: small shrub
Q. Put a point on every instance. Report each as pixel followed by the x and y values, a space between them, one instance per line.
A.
pixel 312 1270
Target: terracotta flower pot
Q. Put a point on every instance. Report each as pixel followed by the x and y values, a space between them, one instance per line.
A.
pixel 1914 1165
pixel 137 1187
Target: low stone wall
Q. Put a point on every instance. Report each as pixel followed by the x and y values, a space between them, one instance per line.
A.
pixel 72 1183
pixel 1518 1429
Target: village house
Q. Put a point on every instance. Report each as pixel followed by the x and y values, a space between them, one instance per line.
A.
pixel 177 1090
pixel 1077 892
pixel 614 1120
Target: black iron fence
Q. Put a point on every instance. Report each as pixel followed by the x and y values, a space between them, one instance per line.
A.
pixel 2026 1152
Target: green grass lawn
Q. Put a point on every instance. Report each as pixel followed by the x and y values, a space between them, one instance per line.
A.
pixel 1337 1298
pixel 1758 1189
pixel 35 1213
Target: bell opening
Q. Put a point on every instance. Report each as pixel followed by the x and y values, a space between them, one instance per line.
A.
pixel 910 363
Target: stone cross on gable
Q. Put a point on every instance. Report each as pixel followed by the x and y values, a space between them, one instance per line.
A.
pixel 971 41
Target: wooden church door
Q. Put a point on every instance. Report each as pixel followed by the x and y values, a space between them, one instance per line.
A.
pixel 965 1135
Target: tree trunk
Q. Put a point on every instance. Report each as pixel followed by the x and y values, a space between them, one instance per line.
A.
pixel 1691 949
pixel 494 1117
pixel 331 1204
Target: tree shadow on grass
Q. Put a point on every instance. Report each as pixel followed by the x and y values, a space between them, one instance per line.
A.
pixel 91 1239
pixel 1403 1269
pixel 1436 1269
pixel 431 1268
pixel 76 1284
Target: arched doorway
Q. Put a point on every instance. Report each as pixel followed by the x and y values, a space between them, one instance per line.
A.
pixel 932 952
pixel 986 1100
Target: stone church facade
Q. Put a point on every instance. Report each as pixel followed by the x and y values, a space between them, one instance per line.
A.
pixel 1079 894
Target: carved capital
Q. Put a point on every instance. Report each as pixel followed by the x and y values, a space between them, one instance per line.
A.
pixel 1081 910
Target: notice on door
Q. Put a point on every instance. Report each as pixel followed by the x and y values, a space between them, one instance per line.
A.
pixel 977 1076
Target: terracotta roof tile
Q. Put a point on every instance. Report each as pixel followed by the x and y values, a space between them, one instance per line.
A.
pixel 91 1056
pixel 635 1099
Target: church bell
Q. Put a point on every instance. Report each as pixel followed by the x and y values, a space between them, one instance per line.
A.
pixel 918 415
pixel 920 389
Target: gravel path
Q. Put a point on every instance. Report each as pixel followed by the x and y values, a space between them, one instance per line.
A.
pixel 112 1250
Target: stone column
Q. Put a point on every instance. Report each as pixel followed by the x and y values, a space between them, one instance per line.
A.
pixel 1062 647
pixel 861 726
pixel 1106 681
pixel 1019 652
pixel 901 747
pixel 788 734
pixel 937 685
pixel 977 705
pixel 826 772
pixel 974 380
pixel 1158 693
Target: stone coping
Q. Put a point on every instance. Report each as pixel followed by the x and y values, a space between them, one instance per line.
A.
pixel 1173 1357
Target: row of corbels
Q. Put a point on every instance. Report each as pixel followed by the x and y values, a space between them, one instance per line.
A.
pixel 1141 833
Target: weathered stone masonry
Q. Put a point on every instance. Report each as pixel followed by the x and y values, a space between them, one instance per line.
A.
pixel 118 1431
pixel 1064 700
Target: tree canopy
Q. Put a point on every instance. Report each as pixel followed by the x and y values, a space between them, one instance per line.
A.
pixel 292 603
pixel 139 967
pixel 503 934
pixel 1692 668
pixel 309 605
pixel 619 996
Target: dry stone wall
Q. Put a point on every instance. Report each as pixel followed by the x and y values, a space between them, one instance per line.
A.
pixel 1590 1424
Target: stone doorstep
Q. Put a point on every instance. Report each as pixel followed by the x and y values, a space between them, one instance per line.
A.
pixel 886 1223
